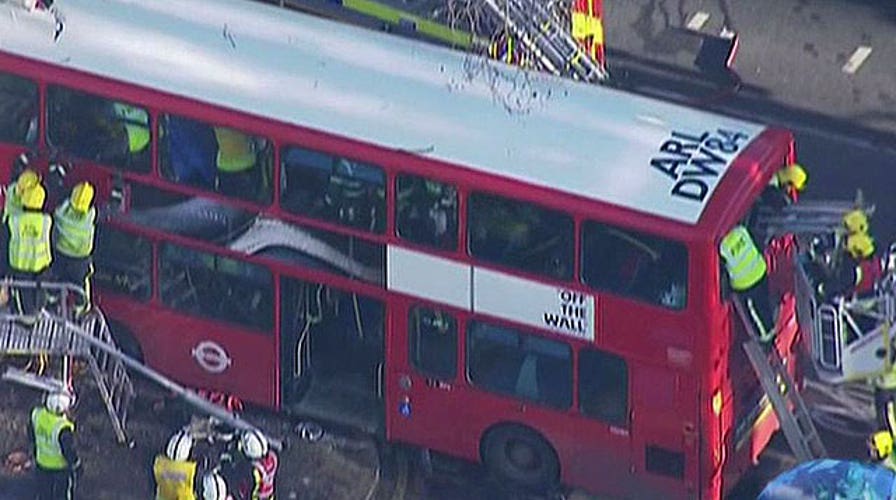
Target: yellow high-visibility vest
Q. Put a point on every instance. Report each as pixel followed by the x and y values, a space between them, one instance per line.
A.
pixel 47 427
pixel 743 260
pixel 136 123
pixel 174 479
pixel 29 241
pixel 235 150
pixel 74 231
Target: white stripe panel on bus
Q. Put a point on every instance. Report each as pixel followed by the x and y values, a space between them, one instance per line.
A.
pixel 428 277
pixel 543 306
pixel 547 307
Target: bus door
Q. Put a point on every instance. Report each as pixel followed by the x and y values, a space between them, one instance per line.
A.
pixel 332 354
pixel 423 377
pixel 665 432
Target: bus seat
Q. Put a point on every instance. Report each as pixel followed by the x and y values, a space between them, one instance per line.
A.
pixel 527 381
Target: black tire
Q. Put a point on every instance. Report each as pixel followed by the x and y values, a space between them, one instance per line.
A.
pixel 126 341
pixel 520 456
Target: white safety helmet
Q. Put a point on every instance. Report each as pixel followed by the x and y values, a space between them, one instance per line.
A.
pixel 59 402
pixel 179 447
pixel 254 445
pixel 213 487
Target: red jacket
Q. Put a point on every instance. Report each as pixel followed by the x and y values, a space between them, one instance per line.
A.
pixel 267 469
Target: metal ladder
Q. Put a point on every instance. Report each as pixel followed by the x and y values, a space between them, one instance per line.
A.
pixel 54 335
pixel 806 218
pixel 793 415
pixel 546 37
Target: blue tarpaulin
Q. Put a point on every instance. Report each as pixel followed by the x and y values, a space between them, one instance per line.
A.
pixel 833 480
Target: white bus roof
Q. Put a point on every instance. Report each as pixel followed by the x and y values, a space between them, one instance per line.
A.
pixel 594 142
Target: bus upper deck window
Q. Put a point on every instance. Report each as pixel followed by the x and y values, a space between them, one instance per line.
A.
pixel 635 265
pixel 97 129
pixel 333 188
pixel 521 235
pixel 216 158
pixel 18 109
pixel 426 212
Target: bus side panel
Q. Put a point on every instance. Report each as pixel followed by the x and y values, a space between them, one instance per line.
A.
pixel 594 455
pixel 200 353
pixel 665 433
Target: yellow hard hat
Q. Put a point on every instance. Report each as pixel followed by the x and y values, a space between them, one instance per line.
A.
pixel 793 174
pixel 856 221
pixel 860 245
pixel 34 197
pixel 26 180
pixel 82 196
pixel 880 445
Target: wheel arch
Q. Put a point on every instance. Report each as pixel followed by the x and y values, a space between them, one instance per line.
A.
pixel 511 424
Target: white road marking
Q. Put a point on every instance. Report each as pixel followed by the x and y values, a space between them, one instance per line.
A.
pixel 856 59
pixel 697 21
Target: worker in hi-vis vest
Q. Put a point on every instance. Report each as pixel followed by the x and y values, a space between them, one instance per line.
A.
pixel 237 172
pixel 74 227
pixel 54 448
pixel 29 246
pixel 175 471
pixel 880 447
pixel 747 271
pixel 136 127
pixel 12 203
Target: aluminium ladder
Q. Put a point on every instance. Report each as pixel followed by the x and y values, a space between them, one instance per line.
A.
pixel 53 335
pixel 793 415
pixel 807 218
pixel 547 38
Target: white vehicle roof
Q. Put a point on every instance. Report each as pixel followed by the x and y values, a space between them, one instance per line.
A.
pixel 581 139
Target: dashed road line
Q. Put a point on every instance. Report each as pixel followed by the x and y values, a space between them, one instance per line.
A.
pixel 697 21
pixel 856 59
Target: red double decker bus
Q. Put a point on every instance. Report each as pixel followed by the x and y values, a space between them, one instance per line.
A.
pixel 497 265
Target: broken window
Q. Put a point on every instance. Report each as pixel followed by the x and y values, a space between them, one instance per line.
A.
pixel 123 263
pixel 216 287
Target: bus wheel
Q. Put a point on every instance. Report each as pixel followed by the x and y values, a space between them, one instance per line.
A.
pixel 126 341
pixel 520 456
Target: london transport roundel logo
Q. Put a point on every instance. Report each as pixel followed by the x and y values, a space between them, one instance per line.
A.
pixel 211 357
